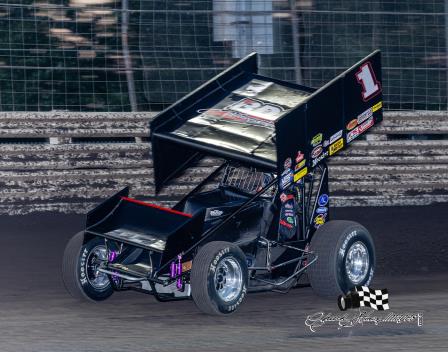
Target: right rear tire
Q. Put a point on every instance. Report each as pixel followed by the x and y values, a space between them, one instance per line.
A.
pixel 346 258
pixel 219 278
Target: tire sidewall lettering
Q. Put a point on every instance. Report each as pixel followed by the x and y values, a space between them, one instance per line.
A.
pixel 225 307
pixel 217 258
pixel 82 267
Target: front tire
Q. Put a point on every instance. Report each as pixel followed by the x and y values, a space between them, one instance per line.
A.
pixel 346 258
pixel 219 278
pixel 79 274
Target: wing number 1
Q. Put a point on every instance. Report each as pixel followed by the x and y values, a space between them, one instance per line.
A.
pixel 366 77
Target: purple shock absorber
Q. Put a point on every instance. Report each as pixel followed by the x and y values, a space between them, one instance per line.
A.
pixel 112 256
pixel 176 272
pixel 179 283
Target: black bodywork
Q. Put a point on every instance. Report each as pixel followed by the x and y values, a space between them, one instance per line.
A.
pixel 271 192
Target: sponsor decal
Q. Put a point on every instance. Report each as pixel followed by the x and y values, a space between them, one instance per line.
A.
pixel 365 126
pixel 322 210
pixel 257 108
pixel 290 220
pixel 326 143
pixel 289 206
pixel 352 124
pixel 300 174
pixel 236 116
pixel 287 164
pixel 315 161
pixel 360 129
pixel 299 156
pixel 365 115
pixel 338 145
pixel 323 200
pixel 352 135
pixel 377 106
pixel 286 172
pixel 286 179
pixel 335 137
pixel 283 197
pixel 319 220
pixel 317 139
pixel 317 151
pixel 285 224
pixel 300 165
pixel 216 212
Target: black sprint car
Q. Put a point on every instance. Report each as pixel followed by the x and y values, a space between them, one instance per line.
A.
pixel 259 221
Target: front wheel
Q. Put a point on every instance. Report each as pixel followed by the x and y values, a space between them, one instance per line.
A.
pixel 80 269
pixel 346 258
pixel 219 278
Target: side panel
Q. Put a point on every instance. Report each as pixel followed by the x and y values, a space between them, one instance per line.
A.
pixel 331 118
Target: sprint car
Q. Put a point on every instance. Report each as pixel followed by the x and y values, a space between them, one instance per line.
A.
pixel 261 220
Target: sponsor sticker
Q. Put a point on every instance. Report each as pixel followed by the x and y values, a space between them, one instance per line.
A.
pixel 283 197
pixel 338 145
pixel 319 220
pixel 352 124
pixel 300 174
pixel 286 179
pixel 257 108
pixel 365 115
pixel 360 129
pixel 299 156
pixel 300 165
pixel 316 151
pixel 322 210
pixel 365 126
pixel 377 106
pixel 317 139
pixel 352 135
pixel 323 200
pixel 216 212
pixel 287 164
pixel 336 136
pixel 322 156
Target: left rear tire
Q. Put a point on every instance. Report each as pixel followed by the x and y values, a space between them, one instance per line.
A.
pixel 80 269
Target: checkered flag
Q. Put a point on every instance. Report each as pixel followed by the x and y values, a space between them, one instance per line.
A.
pixel 376 299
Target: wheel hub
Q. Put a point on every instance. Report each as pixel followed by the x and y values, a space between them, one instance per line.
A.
pixel 97 279
pixel 228 279
pixel 357 262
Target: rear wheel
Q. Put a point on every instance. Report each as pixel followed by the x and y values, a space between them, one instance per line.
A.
pixel 80 269
pixel 219 278
pixel 346 258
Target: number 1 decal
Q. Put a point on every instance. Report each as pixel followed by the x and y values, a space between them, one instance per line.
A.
pixel 370 84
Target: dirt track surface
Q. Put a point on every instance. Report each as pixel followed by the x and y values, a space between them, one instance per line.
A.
pixel 37 315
